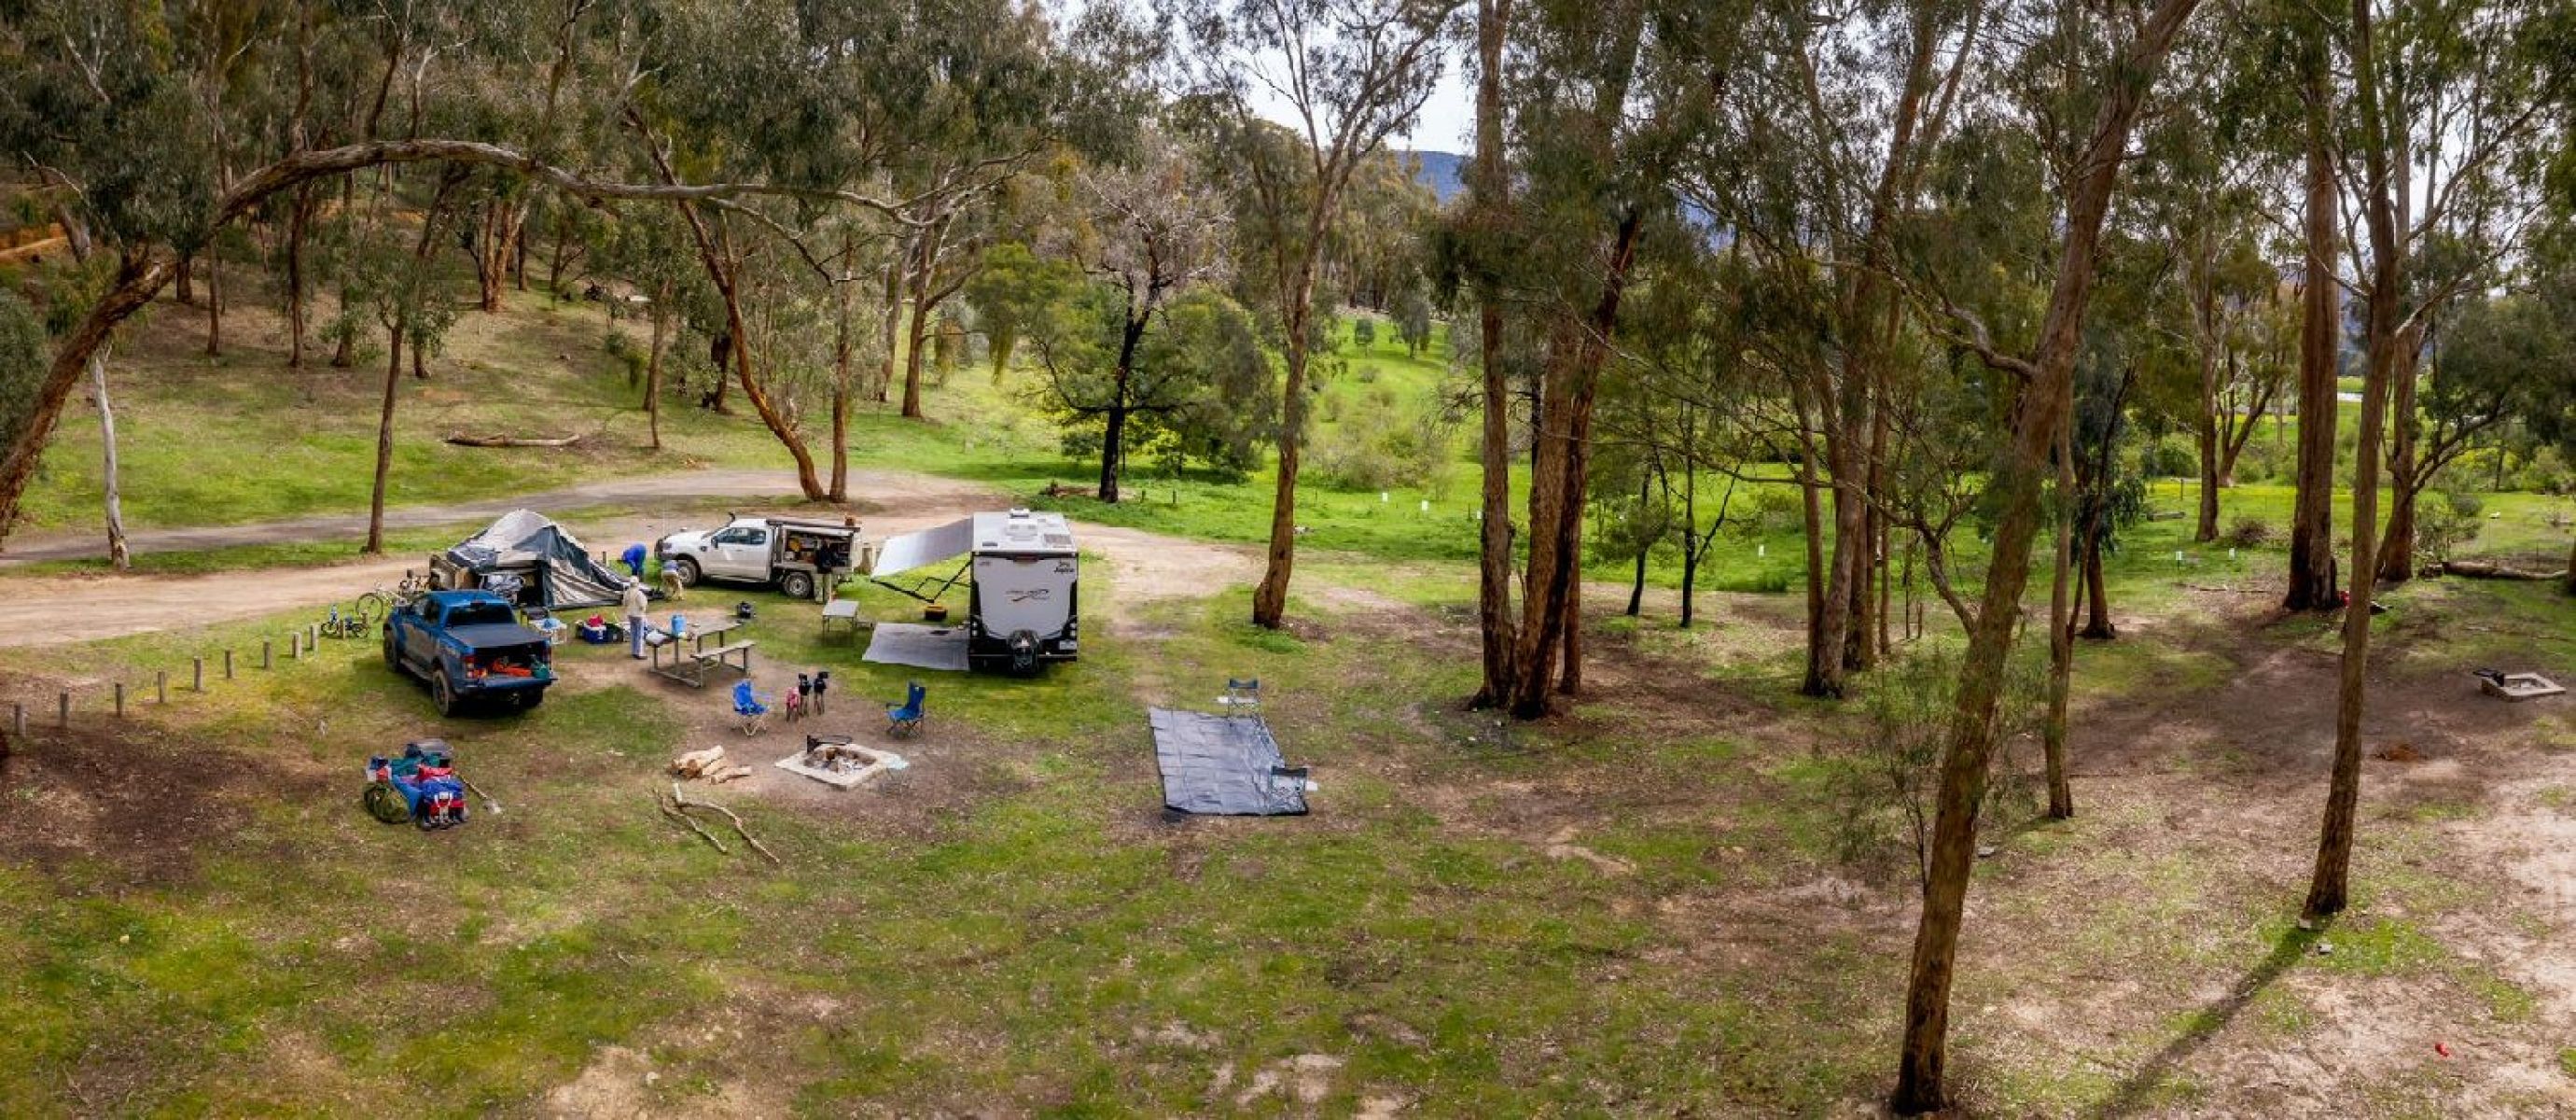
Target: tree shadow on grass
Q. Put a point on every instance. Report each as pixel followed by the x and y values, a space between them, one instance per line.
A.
pixel 2137 1091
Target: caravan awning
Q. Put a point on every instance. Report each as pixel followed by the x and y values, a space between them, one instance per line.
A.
pixel 927 547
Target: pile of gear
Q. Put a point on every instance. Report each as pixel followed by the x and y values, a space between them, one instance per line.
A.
pixel 420 786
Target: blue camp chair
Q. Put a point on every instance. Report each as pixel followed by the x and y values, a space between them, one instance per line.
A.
pixel 755 715
pixel 904 722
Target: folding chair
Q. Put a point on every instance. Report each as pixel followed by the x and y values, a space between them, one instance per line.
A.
pixel 746 704
pixel 1242 697
pixel 904 721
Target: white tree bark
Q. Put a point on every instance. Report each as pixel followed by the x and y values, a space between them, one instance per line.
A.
pixel 116 553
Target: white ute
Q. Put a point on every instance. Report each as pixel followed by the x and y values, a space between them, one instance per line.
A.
pixel 799 555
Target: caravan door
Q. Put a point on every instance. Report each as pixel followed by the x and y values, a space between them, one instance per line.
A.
pixel 1032 593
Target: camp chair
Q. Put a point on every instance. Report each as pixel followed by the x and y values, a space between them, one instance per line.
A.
pixel 1242 696
pixel 904 721
pixel 755 715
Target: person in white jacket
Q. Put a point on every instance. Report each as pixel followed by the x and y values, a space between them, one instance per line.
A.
pixel 635 605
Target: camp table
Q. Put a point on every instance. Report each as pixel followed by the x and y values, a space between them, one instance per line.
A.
pixel 843 611
pixel 691 668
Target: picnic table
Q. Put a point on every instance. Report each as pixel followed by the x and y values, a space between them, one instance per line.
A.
pixel 692 666
pixel 843 611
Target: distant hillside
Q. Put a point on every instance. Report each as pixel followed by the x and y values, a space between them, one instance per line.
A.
pixel 1443 172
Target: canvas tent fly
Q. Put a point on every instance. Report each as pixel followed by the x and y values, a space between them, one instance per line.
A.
pixel 547 564
pixel 1024 579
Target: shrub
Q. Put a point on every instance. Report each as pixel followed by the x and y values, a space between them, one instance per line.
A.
pixel 2167 459
pixel 1887 793
pixel 2445 523
pixel 2249 532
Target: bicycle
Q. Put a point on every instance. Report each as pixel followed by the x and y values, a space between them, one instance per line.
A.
pixel 372 608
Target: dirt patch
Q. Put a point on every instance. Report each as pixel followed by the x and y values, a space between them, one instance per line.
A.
pixel 128 797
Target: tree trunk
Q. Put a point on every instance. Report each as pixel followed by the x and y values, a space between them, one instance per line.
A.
pixel 653 368
pixel 1557 481
pixel 890 328
pixel 384 443
pixel 2312 561
pixel 1490 193
pixel 1113 438
pixel 2397 548
pixel 2207 437
pixel 117 555
pixel 845 294
pixel 2330 888
pixel 1920 1087
pixel 299 217
pixel 214 304
pixel 1270 599
pixel 919 328
pixel 138 279
pixel 2097 597
pixel 187 289
pixel 1637 580
pixel 2061 629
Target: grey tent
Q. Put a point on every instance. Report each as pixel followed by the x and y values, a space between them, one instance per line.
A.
pixel 548 565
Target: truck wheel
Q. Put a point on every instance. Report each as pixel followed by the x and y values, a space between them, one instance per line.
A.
pixel 441 693
pixel 393 652
pixel 686 569
pixel 797 585
pixel 529 699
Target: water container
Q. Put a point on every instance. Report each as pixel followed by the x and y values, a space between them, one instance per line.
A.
pixel 679 625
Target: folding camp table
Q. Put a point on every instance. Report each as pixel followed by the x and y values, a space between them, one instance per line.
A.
pixel 843 611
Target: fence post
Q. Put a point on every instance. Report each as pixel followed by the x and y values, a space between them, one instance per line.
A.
pixel 197 673
pixel 294 645
pixel 160 686
pixel 265 647
pixel 18 720
pixel 120 699
pixel 63 709
pixel 228 664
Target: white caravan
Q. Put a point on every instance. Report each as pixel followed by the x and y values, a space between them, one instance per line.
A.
pixel 1023 611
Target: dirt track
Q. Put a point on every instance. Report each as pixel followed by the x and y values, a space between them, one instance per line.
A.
pixel 52 610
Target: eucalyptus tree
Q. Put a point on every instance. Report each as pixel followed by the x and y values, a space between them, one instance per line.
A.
pixel 2115 87
pixel 1011 290
pixel 1151 233
pixel 1349 75
pixel 2501 97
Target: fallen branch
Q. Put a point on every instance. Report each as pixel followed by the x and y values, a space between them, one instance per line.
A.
pixel 685 804
pixel 2480 569
pixel 460 439
pixel 669 811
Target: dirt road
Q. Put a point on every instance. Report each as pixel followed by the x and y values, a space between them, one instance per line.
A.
pixel 52 610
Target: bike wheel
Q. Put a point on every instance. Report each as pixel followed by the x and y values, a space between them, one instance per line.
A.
pixel 373 607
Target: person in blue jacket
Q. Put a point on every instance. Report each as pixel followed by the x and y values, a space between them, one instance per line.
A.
pixel 633 558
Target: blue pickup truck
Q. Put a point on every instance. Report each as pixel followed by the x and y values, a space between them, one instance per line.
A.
pixel 469 646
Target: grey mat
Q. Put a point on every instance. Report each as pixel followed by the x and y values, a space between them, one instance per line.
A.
pixel 922 647
pixel 1226 765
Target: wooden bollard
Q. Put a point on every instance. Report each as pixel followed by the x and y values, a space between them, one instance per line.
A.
pixel 228 664
pixel 294 646
pixel 264 648
pixel 160 686
pixel 312 635
pixel 197 673
pixel 63 709
pixel 120 699
pixel 18 720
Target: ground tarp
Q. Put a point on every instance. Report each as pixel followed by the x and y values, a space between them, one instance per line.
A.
pixel 927 547
pixel 1224 765
pixel 922 647
pixel 524 541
